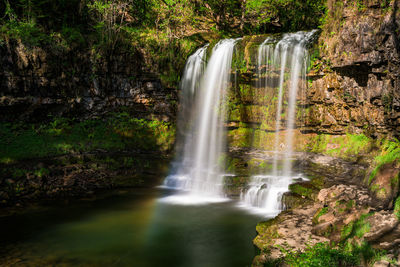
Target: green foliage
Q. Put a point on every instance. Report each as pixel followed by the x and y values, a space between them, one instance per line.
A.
pixel 346 146
pixel 325 254
pixel 72 35
pixel 321 212
pixel 42 172
pixel 39 23
pixel 321 254
pixel 291 15
pixel 109 19
pixel 119 131
pixel 160 30
pixel 302 190
pixel 397 208
pixel 390 152
pixel 360 5
pixel 319 143
pixel 315 63
pixel 356 143
pixel 28 32
pixel 357 228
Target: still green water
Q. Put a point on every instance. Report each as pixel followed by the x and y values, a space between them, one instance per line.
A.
pixel 131 228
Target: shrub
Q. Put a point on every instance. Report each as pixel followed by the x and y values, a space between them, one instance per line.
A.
pixel 321 255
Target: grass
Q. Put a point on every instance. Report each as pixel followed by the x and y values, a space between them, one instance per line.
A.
pixel 397 208
pixel 302 190
pixel 321 254
pixel 390 153
pixel 357 228
pixel 346 146
pixel 325 254
pixel 63 136
pixel 322 211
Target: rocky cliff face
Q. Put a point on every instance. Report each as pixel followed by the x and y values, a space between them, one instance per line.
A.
pixel 37 82
pixel 354 89
pixel 357 86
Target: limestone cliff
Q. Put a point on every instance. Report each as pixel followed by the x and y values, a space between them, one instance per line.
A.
pixel 41 81
pixel 356 86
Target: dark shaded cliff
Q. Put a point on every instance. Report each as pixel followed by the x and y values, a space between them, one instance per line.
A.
pixel 37 82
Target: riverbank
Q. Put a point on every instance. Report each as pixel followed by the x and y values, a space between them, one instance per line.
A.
pixel 65 157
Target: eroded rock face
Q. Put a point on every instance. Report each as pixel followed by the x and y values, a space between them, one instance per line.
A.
pixel 385 230
pixel 36 82
pixel 360 90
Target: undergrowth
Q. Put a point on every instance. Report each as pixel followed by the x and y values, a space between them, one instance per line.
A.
pixel 343 146
pixel 397 207
pixel 390 152
pixel 321 254
pixel 357 228
pixel 325 254
pixel 118 131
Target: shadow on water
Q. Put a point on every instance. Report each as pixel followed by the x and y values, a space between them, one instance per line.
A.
pixel 129 229
pixel 24 226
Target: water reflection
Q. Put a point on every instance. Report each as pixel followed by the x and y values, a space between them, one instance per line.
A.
pixel 130 229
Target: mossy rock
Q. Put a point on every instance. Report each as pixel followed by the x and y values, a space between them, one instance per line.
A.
pixel 386 184
pixel 267 232
pixel 233 185
pixel 304 189
pixel 292 201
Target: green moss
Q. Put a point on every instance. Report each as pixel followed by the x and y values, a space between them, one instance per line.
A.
pixel 267 232
pixel 357 143
pixel 319 214
pixel 321 254
pixel 42 172
pixel 241 137
pixel 318 143
pixel 390 152
pixel 63 136
pixel 233 164
pixel 357 228
pixel 305 190
pixel 397 208
pixel 348 146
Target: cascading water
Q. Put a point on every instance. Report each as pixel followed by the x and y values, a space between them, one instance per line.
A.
pixel 189 85
pixel 198 171
pixel 288 58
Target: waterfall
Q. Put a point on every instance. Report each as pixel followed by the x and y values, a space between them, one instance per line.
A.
pixel 189 85
pixel 288 58
pixel 198 170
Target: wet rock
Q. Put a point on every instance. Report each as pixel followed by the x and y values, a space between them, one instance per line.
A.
pixel 292 201
pixel 335 208
pixel 334 169
pixel 290 229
